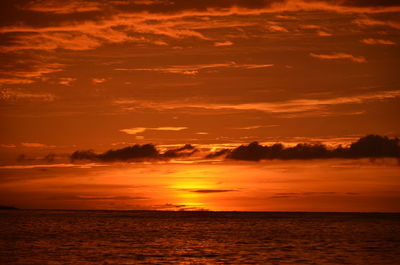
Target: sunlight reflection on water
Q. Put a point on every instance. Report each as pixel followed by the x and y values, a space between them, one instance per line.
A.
pixel 112 237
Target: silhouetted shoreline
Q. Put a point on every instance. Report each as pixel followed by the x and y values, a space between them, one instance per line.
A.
pixel 3 207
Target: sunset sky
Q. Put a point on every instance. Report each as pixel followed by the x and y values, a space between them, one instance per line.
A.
pixel 105 74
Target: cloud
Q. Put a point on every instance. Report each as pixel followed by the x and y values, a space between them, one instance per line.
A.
pixel 15 81
pixel 134 153
pixel 8 94
pixel 279 107
pixel 66 81
pixel 223 44
pixel 276 28
pixel 98 80
pixel 180 207
pixel 256 127
pixel 26 71
pixel 134 130
pixel 137 130
pixel 8 145
pixel 95 197
pixel 218 153
pixel 34 145
pixel 185 151
pixel 372 41
pixel 83 25
pixel 284 195
pixel 52 40
pixel 181 7
pixel 368 146
pixel 375 22
pixel 48 165
pixel 103 197
pixel 195 69
pixel 324 33
pixel 38 69
pixel 66 7
pixel 211 191
pixel 339 56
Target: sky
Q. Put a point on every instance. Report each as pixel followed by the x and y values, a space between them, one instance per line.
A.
pixel 97 74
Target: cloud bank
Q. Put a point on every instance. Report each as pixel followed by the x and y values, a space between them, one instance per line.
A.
pixel 134 153
pixel 370 146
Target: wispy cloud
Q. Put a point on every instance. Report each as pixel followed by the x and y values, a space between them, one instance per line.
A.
pixel 339 56
pixel 27 72
pixel 137 130
pixel 34 145
pixel 375 22
pixel 9 94
pixel 66 81
pixel 37 70
pixel 257 127
pixel 130 21
pixel 372 41
pixel 98 80
pixel 223 44
pixel 289 106
pixel 284 195
pixel 324 33
pixel 236 7
pixel 15 81
pixel 66 7
pixel 8 145
pixel 195 69
pixel 276 28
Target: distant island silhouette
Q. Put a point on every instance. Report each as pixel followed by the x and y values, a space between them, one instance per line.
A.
pixel 3 207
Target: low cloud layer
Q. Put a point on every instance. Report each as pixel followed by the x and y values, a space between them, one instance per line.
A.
pixel 134 153
pixel 369 146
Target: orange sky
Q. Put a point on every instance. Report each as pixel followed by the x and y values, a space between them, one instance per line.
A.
pixel 89 74
pixel 97 74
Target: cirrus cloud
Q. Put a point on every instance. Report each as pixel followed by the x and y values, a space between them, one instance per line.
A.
pixel 339 56
pixel 137 130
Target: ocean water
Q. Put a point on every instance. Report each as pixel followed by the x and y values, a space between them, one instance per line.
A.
pixel 150 237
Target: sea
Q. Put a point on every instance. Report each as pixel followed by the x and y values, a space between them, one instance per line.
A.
pixel 203 237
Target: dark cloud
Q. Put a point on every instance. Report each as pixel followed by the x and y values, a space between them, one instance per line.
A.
pixel 211 191
pixel 49 158
pixel 45 12
pixel 369 146
pixel 131 152
pixel 185 151
pixel 84 155
pixel 135 152
pixel 368 3
pixel 375 146
pixel 283 195
pixel 217 154
pixel 94 197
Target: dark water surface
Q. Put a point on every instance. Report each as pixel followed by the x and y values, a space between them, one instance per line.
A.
pixel 124 237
